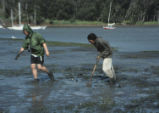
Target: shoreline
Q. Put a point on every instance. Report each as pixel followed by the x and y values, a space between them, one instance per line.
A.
pixel 78 23
pixel 98 26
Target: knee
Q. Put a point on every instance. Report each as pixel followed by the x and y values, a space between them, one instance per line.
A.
pixel 39 67
pixel 106 69
pixel 107 72
pixel 33 67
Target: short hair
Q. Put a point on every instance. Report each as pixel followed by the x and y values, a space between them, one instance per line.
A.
pixel 92 36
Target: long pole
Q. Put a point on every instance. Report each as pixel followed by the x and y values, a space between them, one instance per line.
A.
pixel 94 68
pixel 19 9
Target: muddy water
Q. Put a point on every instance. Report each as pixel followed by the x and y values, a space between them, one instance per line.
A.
pixel 136 90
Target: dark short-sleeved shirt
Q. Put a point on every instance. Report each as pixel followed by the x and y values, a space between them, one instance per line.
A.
pixel 34 42
pixel 103 47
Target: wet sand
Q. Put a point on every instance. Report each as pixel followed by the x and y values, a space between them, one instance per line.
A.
pixel 136 90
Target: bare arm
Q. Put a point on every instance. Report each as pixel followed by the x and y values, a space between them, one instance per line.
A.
pixel 46 49
pixel 98 57
pixel 19 53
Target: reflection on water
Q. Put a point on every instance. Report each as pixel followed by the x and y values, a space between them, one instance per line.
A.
pixel 40 93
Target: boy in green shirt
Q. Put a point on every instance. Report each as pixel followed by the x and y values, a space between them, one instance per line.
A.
pixel 36 44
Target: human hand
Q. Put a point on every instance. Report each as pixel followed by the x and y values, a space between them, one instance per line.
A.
pixel 16 58
pixel 98 57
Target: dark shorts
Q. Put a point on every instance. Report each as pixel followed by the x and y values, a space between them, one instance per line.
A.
pixel 37 60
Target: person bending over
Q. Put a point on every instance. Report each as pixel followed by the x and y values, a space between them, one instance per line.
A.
pixel 105 52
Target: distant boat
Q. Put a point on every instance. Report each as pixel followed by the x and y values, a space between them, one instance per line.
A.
pixel 1 27
pixel 110 25
pixel 20 26
pixel 38 27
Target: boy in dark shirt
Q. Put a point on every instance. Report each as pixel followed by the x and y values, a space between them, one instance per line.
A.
pixel 105 52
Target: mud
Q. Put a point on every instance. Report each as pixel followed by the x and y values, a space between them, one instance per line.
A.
pixel 136 89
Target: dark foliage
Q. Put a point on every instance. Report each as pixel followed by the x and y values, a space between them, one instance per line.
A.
pixel 93 10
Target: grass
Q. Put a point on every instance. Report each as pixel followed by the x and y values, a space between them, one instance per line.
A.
pixel 55 43
pixel 128 22
pixel 93 23
pixel 74 23
pixel 147 23
pixel 151 23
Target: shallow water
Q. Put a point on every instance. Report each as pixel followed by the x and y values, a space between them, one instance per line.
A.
pixel 123 38
pixel 136 90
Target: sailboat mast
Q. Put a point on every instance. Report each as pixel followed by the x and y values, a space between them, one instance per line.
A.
pixel 12 17
pixel 34 16
pixel 109 12
pixel 19 9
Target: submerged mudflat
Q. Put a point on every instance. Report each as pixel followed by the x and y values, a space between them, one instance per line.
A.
pixel 136 90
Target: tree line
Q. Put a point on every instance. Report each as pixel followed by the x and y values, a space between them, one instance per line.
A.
pixel 37 11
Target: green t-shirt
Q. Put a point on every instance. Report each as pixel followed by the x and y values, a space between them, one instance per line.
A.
pixel 34 43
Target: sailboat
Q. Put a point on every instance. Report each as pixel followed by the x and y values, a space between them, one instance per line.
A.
pixel 16 27
pixel 20 26
pixel 1 27
pixel 2 24
pixel 110 25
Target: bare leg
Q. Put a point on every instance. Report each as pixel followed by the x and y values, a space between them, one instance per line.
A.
pixel 42 68
pixel 34 71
